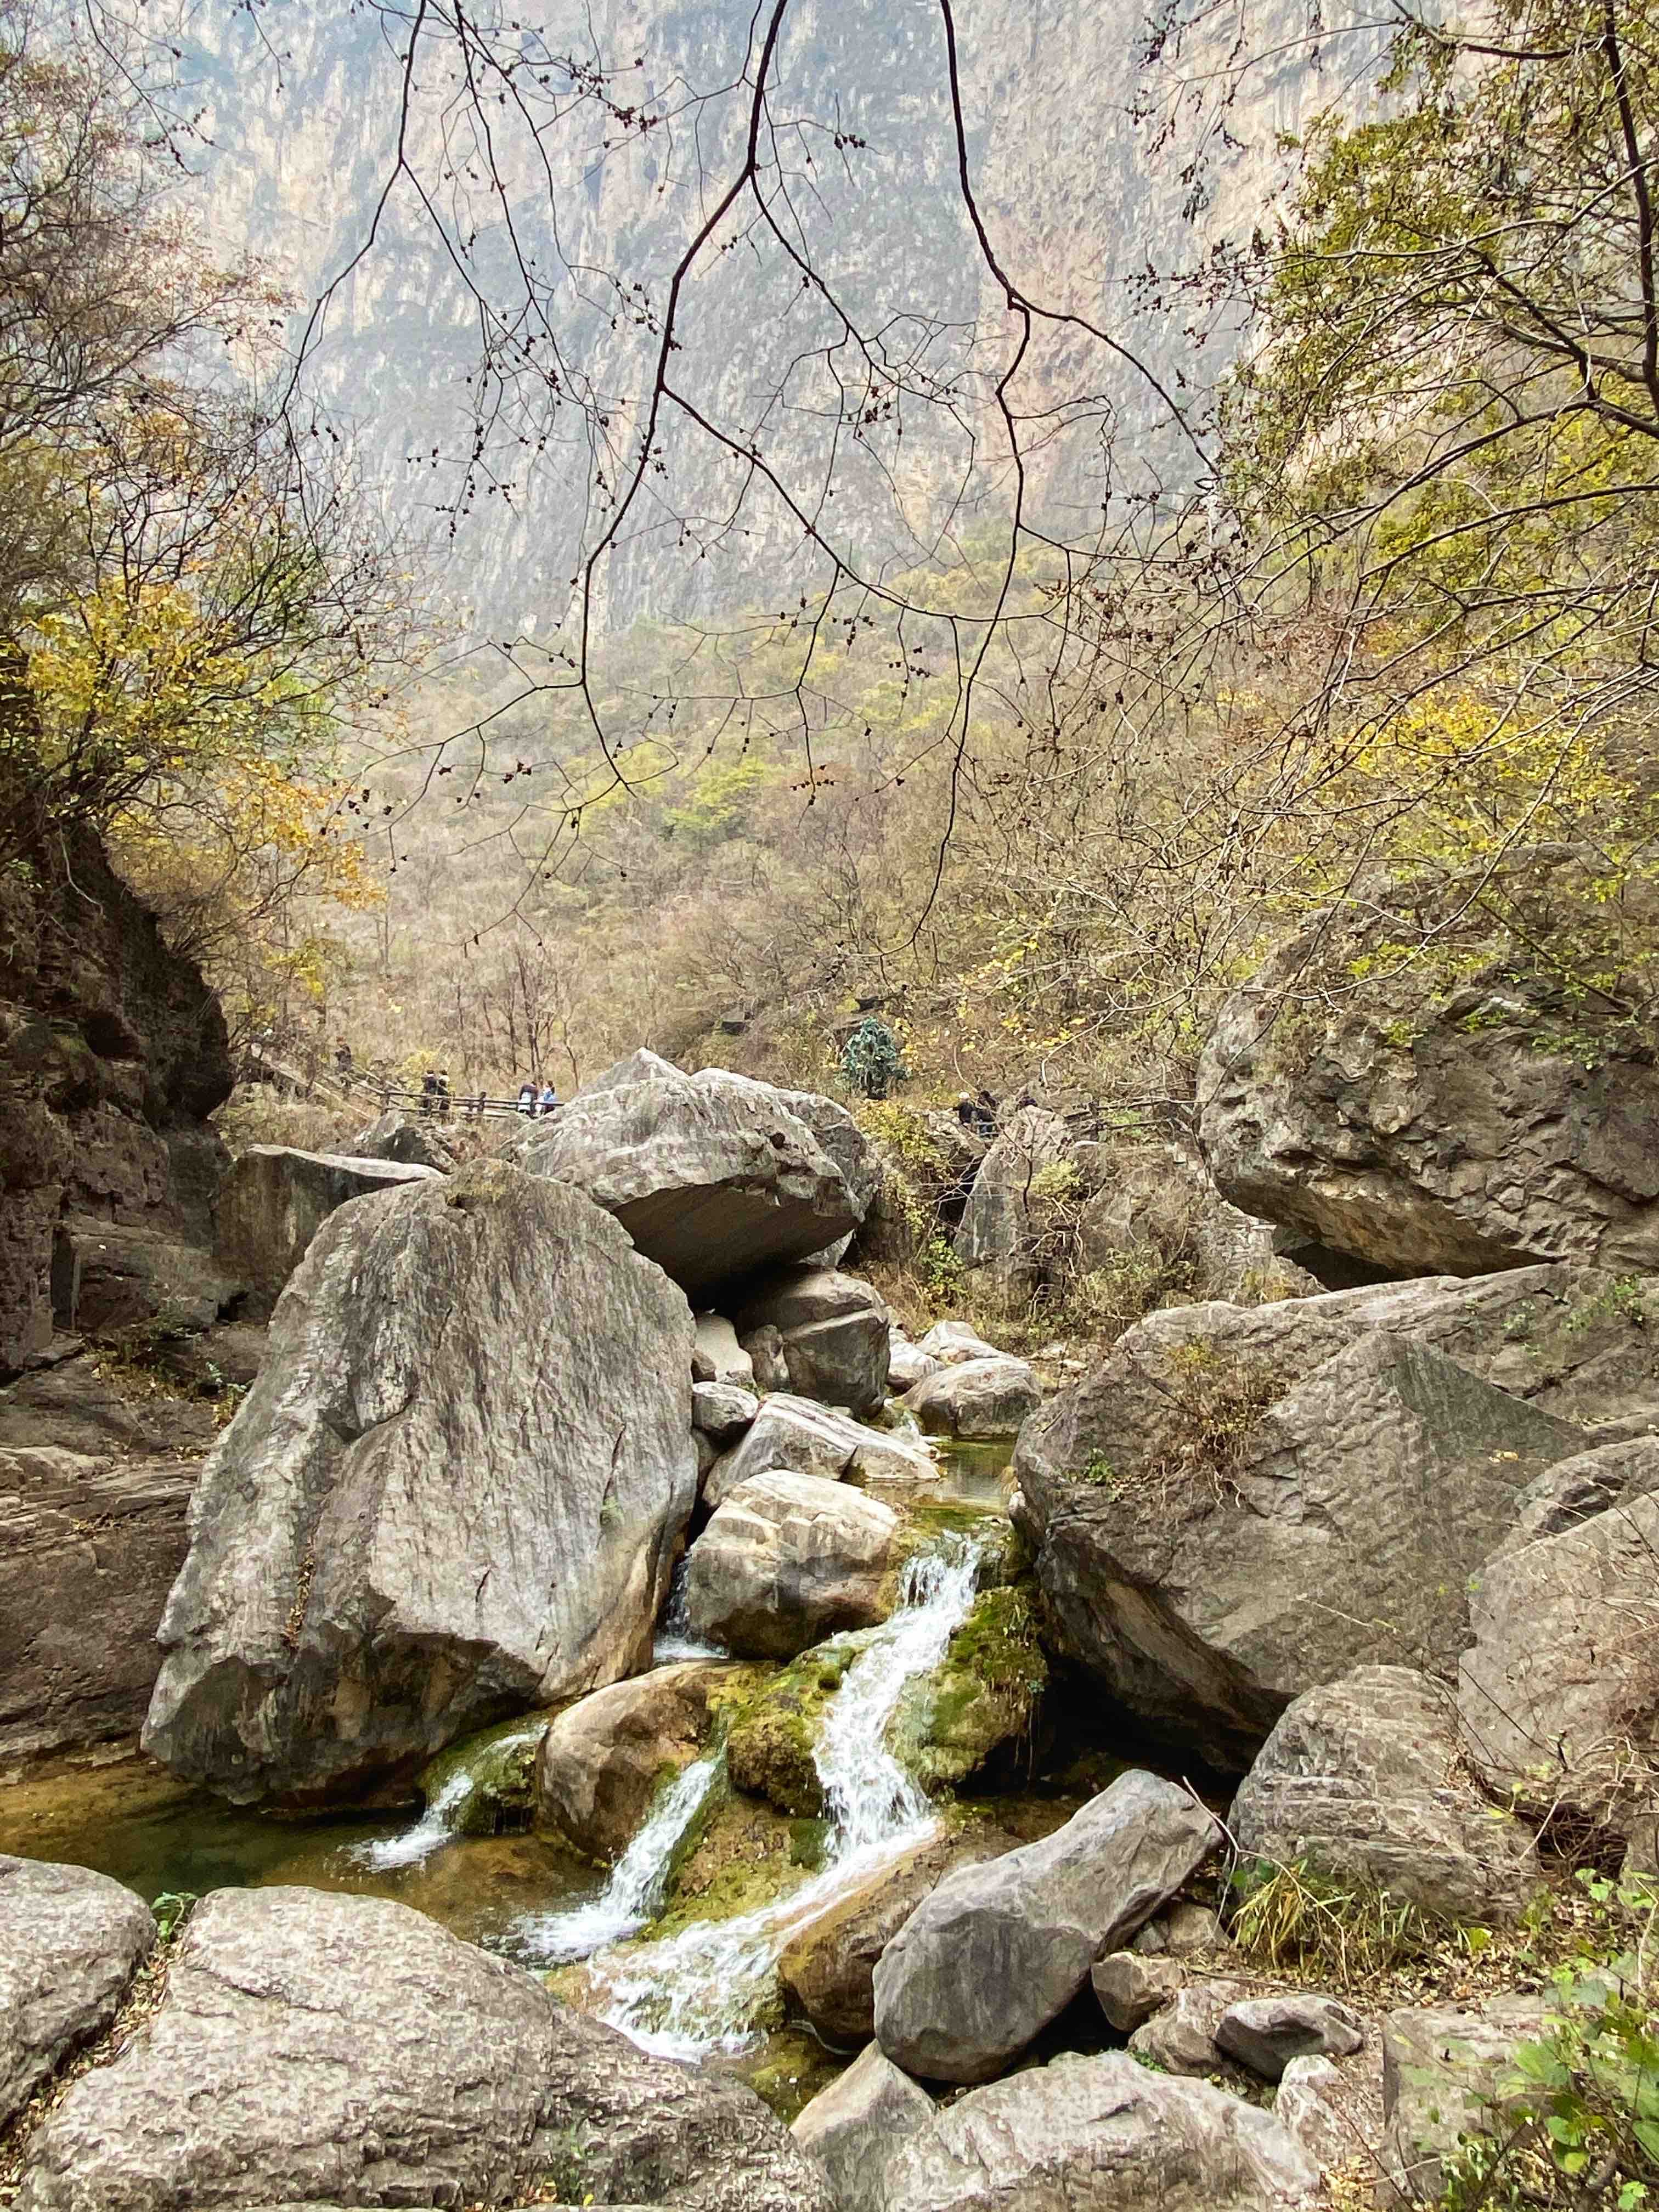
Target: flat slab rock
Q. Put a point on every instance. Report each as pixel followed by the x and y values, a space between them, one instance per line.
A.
pixel 70 1942
pixel 312 2048
pixel 1098 2135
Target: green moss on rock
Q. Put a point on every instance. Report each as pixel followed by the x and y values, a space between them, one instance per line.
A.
pixel 500 1765
pixel 772 1734
pixel 973 1713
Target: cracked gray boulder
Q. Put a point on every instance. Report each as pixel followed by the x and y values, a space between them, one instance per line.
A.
pixel 1364 1778
pixel 832 1334
pixel 1000 1949
pixel 808 1438
pixel 602 1760
pixel 787 1560
pixel 454 1492
pixel 1559 1697
pixel 857 2124
pixel 1004 1228
pixel 711 1175
pixel 70 1942
pixel 1462 1130
pixel 978 1400
pixel 1235 1506
pixel 274 1199
pixel 311 2047
pixel 1099 2134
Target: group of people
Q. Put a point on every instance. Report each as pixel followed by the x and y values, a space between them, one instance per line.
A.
pixel 536 1098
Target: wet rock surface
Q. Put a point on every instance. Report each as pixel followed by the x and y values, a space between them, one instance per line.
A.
pixel 603 1760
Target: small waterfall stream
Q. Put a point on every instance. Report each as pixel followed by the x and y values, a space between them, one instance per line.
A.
pixel 699 1991
pixel 438 1825
pixel 638 1881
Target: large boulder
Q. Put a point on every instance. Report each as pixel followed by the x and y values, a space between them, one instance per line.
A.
pixel 275 1198
pixel 827 1970
pixel 312 2046
pixel 805 1438
pixel 1006 1235
pixel 787 1560
pixel 455 1490
pixel 1364 1779
pixel 70 1942
pixel 1158 1224
pixel 832 1331
pixel 603 1760
pixel 855 2125
pixel 1462 1129
pixel 977 1399
pixel 712 1177
pixel 411 1140
pixel 1234 1507
pixel 1101 2134
pixel 1560 1696
pixel 89 1546
pixel 1447 2074
pixel 998 1950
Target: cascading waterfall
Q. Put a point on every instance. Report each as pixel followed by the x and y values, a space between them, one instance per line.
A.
pixel 638 1882
pixel 700 1991
pixel 437 1825
pixel 674 1638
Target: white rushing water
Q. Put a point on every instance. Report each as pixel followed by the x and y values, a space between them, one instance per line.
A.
pixel 638 1881
pixel 700 1991
pixel 437 1825
pixel 674 1638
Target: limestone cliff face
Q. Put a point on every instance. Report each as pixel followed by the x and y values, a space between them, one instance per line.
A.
pixel 1078 197
pixel 113 1050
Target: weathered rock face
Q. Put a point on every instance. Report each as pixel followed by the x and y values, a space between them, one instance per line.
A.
pixel 1478 1144
pixel 712 1176
pixel 804 1438
pixel 405 1137
pixel 1307 2109
pixel 976 1399
pixel 1560 1697
pixel 70 1942
pixel 951 1342
pixel 1443 2073
pixel 1266 2033
pixel 454 1492
pixel 311 2045
pixel 856 2124
pixel 832 1334
pixel 1003 1224
pixel 601 1761
pixel 106 1276
pixel 1157 1210
pixel 1235 1507
pixel 89 1547
pixel 1132 1986
pixel 787 1560
pixel 1102 2134
pixel 829 1970
pixel 1362 1776
pixel 722 1412
pixel 718 1358
pixel 907 1364
pixel 275 1198
pixel 998 1950
pixel 1180 2038
pixel 112 1052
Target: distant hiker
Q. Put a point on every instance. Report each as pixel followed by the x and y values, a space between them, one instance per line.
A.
pixel 443 1094
pixel 550 1099
pixel 342 1057
pixel 428 1093
pixel 527 1099
pixel 979 1114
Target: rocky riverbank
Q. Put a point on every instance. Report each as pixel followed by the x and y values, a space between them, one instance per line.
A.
pixel 590 1495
